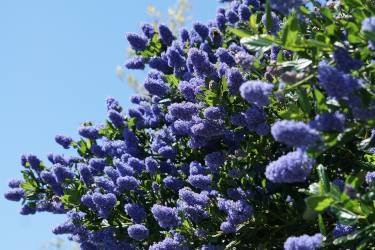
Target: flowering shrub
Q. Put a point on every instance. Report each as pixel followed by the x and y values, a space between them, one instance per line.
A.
pixel 256 134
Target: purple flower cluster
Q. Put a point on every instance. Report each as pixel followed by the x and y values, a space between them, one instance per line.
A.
pixel 292 167
pixel 305 242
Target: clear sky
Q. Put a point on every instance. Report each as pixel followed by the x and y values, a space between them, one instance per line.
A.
pixel 57 65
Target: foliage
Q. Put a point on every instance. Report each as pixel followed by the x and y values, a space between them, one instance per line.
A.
pixel 257 132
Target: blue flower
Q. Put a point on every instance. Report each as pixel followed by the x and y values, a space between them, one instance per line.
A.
pixel 290 168
pixel 199 63
pixel 155 84
pixel 104 203
pixel 244 12
pixel 221 21
pixel 89 132
pixel 138 232
pixel 336 83
pixel 200 181
pixel 256 92
pixel 127 183
pixel 148 30
pixel 285 7
pixel 137 42
pixel 303 242
pixel 15 194
pixel 344 62
pixel 294 133
pixel 275 23
pixel 166 35
pixel 225 57
pixel 64 141
pixel 201 29
pixel 136 62
pixel 85 173
pixel 116 118
pixel 228 227
pixel 341 230
pixel 62 173
pixel 255 120
pixel 368 25
pixel 235 79
pixel 173 183
pixel 232 17
pixel 166 217
pixel 328 122
pixel 184 35
pixel 370 177
pixel 136 212
pixel 183 111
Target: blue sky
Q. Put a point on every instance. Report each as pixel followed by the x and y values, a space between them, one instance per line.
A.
pixel 57 66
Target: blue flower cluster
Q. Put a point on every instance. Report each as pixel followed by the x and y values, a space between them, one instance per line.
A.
pixel 219 145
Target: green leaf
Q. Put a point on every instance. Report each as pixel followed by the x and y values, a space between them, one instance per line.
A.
pixel 303 100
pixel 319 203
pixel 240 32
pixel 257 42
pixel 268 16
pixel 290 31
pixel 344 216
pixel 323 180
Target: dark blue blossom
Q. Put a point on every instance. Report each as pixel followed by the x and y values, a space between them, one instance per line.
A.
pixel 138 232
pixel 15 183
pixel 225 57
pixel 168 244
pixel 166 35
pixel 116 118
pixel 34 162
pixel 228 227
pixel 175 55
pixel 97 164
pixel 151 165
pixel 148 30
pixel 292 167
pixel 368 25
pixel 214 160
pixel 285 6
pixel 160 64
pixel 85 173
pixel 104 203
pixel 294 133
pixel 127 183
pixel 232 17
pixel 256 92
pixel 370 177
pixel 15 194
pixel 136 212
pixel 183 111
pixel 244 12
pixel 341 230
pixel 201 29
pixel 173 183
pixel 62 173
pixel 200 181
pixel 136 62
pixel 235 79
pixel 64 141
pixel 213 113
pixel 344 62
pixel 303 242
pixel 255 120
pixel 155 84
pixel 336 83
pixel 221 21
pixel 199 62
pixel 137 42
pixel 89 132
pixel 166 217
pixel 184 35
pixel 275 23
pixel 329 122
